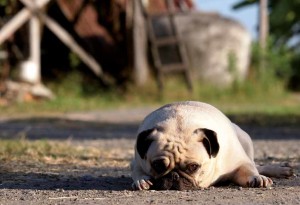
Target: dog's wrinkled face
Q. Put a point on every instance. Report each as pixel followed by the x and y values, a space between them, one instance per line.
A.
pixel 175 161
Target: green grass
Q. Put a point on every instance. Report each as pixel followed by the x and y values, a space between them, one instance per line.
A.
pixel 44 151
pixel 253 96
pixel 25 152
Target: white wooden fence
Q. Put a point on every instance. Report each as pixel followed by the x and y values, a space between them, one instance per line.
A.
pixel 33 12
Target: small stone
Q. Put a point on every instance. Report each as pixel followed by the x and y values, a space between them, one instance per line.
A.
pixel 240 188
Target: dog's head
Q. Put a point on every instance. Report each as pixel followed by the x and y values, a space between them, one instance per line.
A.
pixel 175 161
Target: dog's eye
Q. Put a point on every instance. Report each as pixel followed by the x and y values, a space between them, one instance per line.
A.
pixel 193 167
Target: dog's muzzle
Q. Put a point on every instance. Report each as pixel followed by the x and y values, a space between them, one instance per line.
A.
pixel 173 181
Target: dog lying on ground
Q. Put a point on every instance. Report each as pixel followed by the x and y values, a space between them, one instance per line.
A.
pixel 191 145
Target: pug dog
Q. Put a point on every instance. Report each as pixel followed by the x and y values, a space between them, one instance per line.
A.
pixel 191 145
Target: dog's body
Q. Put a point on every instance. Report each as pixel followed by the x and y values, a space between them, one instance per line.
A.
pixel 188 145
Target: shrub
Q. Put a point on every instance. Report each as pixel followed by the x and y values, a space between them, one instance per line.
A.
pixel 275 63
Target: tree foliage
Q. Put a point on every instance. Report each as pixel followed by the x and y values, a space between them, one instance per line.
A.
pixel 284 18
pixel 284 47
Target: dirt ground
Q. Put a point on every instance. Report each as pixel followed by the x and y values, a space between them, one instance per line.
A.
pixel 109 182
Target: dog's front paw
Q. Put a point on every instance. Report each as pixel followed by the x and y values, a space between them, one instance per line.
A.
pixel 142 184
pixel 259 181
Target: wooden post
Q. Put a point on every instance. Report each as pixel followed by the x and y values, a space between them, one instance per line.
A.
pixel 263 32
pixel 263 23
pixel 35 42
pixel 67 39
pixel 18 20
pixel 140 60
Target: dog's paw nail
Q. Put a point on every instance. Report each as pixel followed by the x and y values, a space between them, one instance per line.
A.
pixel 142 184
pixel 145 185
pixel 260 181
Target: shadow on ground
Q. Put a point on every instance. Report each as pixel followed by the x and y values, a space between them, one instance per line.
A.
pixel 60 182
pixel 60 129
pixel 66 177
pixel 258 126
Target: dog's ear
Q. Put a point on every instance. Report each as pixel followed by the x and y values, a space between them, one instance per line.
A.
pixel 209 140
pixel 143 142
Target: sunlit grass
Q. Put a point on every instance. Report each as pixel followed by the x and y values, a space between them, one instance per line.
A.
pixel 249 97
pixel 45 151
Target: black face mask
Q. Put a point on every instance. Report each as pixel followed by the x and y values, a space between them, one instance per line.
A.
pixel 173 181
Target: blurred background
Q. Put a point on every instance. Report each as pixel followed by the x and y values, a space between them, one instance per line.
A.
pixel 78 76
pixel 64 55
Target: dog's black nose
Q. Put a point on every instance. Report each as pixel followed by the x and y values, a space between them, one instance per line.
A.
pixel 159 166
